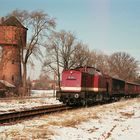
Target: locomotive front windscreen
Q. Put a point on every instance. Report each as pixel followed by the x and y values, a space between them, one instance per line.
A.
pixel 71 81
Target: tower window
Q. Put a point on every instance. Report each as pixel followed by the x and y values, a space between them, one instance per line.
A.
pixel 13 78
pixel 3 77
pixel 13 61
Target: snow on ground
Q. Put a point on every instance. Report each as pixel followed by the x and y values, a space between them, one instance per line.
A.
pixel 39 93
pixel 116 121
pixel 39 98
pixel 23 104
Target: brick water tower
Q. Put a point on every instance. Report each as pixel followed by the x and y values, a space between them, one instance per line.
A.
pixel 12 38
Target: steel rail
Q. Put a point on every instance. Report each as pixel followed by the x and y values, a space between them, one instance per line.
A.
pixel 13 116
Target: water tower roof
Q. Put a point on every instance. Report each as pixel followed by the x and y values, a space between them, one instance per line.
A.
pixel 12 21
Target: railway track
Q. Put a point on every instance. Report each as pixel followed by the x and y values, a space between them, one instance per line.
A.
pixel 18 115
pixel 10 117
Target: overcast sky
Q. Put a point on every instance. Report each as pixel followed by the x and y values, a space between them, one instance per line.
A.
pixel 106 25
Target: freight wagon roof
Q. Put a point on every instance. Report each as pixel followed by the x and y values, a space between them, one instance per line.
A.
pixel 118 78
pixel 133 83
pixel 113 77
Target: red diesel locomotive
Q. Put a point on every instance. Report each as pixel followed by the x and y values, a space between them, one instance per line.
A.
pixel 85 85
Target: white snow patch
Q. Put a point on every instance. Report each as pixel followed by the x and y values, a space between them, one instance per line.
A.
pixel 23 104
pixel 116 121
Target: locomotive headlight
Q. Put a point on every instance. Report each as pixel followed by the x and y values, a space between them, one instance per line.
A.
pixel 76 95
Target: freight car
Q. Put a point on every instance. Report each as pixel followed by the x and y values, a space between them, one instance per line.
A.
pixel 132 89
pixel 84 85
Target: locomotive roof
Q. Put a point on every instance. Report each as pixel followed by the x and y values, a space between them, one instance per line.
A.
pixel 87 67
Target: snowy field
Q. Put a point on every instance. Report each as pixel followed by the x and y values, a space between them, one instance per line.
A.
pixel 24 104
pixel 116 121
pixel 45 97
pixel 40 93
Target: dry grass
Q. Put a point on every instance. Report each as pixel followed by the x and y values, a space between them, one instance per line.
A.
pixel 108 134
pixel 10 134
pixel 68 122
pixel 28 133
pixel 40 132
pixel 72 118
pixel 127 114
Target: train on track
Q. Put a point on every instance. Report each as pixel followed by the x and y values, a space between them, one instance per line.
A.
pixel 84 85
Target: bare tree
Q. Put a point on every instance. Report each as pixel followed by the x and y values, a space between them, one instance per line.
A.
pixel 62 52
pixel 124 66
pixel 39 24
pixel 81 55
pixel 138 79
pixel 99 60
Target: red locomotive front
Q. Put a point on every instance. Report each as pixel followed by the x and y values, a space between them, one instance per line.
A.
pixel 71 81
pixel 81 85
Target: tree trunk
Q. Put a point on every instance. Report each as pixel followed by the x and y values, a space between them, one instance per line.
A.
pixel 58 74
pixel 24 81
pixel 58 71
pixel 59 85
